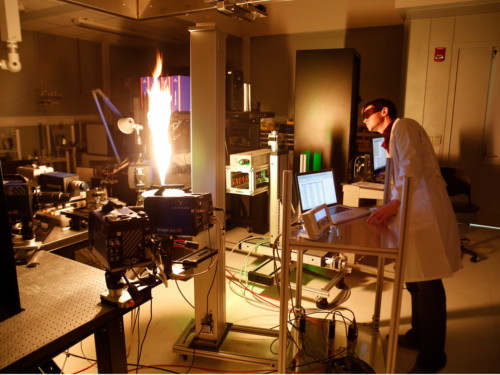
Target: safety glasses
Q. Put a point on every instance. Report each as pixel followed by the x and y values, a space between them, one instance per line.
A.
pixel 370 111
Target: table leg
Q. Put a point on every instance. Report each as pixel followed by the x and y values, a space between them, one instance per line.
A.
pixel 378 293
pixel 110 348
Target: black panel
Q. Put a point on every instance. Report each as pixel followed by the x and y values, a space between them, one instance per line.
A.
pixel 326 100
pixel 10 302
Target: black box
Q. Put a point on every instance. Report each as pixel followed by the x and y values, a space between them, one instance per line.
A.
pixel 183 214
pixel 120 239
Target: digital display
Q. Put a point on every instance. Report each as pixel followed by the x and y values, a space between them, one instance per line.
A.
pixel 379 155
pixel 320 215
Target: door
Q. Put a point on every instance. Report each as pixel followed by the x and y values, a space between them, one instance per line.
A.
pixel 475 130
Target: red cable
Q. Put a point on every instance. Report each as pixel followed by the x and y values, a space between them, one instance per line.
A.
pixel 205 369
pixel 251 291
pixel 86 368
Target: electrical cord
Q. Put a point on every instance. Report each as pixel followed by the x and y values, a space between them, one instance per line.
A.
pixel 182 294
pixel 348 349
pixel 258 296
pixel 138 337
pixel 160 367
pixel 257 301
pixel 141 346
pixel 65 359
pixel 265 239
pixel 182 276
pixel 212 262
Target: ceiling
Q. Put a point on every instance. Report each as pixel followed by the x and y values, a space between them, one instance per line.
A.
pixel 61 17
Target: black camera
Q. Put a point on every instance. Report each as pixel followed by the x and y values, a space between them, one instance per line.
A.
pixel 120 237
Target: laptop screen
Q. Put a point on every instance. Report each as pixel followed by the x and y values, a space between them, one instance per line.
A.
pixel 379 155
pixel 316 188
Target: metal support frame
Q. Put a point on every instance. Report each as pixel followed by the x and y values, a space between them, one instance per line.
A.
pixel 186 345
pixel 208 170
pixel 398 253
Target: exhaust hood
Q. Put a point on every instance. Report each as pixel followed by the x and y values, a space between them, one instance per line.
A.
pixel 148 9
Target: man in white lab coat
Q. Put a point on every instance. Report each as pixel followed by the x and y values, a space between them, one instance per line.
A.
pixel 433 243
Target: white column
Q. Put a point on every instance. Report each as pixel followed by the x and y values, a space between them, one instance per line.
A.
pixel 208 60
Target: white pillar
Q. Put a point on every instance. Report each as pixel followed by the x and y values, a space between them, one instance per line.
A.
pixel 208 65
pixel 208 60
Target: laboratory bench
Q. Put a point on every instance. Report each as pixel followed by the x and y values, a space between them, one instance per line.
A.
pixel 61 306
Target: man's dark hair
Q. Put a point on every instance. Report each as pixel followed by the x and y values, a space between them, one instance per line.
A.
pixel 381 103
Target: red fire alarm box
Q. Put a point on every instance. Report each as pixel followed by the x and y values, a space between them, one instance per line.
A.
pixel 439 54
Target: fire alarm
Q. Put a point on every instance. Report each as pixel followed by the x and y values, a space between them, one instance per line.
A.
pixel 439 54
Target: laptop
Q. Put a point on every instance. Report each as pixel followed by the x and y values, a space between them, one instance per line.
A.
pixel 318 187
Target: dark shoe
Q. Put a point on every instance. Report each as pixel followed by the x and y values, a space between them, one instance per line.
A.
pixel 429 363
pixel 405 342
pixel 425 370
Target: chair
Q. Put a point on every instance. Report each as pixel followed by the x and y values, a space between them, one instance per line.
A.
pixel 458 183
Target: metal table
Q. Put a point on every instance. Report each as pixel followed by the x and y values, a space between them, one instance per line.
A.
pixel 61 306
pixel 355 237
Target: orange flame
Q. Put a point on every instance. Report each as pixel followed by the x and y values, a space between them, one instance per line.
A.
pixel 159 120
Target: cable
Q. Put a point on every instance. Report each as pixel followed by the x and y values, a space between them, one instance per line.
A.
pixel 182 294
pixel 244 283
pixel 257 295
pixel 158 367
pixel 84 356
pixel 86 368
pixel 65 359
pixel 242 241
pixel 138 338
pixel 212 264
pixel 140 347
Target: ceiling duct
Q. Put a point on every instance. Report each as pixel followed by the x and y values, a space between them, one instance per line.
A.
pixel 148 9
pixel 245 11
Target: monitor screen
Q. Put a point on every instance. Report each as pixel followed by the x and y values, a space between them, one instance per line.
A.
pixel 379 155
pixel 316 188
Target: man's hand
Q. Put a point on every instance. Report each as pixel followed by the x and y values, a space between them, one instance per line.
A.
pixel 384 213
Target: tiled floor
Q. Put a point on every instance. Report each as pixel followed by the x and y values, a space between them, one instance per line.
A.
pixel 473 334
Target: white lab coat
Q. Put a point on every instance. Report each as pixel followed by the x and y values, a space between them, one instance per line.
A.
pixel 433 242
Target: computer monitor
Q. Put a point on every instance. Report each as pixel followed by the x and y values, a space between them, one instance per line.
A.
pixel 315 188
pixel 379 156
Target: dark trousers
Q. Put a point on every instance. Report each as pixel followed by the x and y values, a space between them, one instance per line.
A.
pixel 428 322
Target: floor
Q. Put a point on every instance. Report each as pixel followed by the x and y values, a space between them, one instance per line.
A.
pixel 473 330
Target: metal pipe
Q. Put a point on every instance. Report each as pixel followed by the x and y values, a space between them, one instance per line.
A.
pixel 94 94
pixel 285 271
pixel 398 277
pixel 18 145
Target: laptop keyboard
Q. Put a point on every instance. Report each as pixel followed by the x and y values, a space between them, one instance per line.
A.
pixel 337 209
pixel 369 185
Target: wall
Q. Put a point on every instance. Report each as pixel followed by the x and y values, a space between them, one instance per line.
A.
pixel 273 67
pixel 381 52
pixel 428 83
pixel 449 97
pixel 58 75
pixel 273 64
